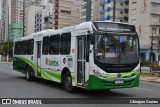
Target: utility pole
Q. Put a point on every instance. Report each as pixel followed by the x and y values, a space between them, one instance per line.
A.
pixel 23 16
pixel 114 10
pixel 8 38
pixel 151 56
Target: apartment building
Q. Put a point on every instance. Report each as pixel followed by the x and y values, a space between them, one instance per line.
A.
pixel 145 15
pixel 43 18
pixel 12 12
pixel 0 31
pixel 89 10
pixel 66 13
pixel 114 10
pixel 37 18
pixel 30 19
pixel 5 19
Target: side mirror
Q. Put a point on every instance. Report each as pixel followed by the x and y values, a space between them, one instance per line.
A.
pixel 92 37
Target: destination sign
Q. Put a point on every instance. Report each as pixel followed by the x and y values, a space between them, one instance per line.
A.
pixel 114 27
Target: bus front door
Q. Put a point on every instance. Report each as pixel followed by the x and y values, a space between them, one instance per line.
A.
pixel 38 65
pixel 81 60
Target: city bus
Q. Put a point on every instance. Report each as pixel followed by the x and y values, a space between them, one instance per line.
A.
pixel 98 55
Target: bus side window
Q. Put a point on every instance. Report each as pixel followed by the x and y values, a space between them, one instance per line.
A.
pixel 18 48
pixel 24 47
pixel 30 47
pixel 87 47
pixel 65 44
pixel 54 45
pixel 15 48
pixel 45 45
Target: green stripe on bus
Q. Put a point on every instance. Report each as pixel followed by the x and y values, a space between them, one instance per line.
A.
pixel 123 74
pixel 56 76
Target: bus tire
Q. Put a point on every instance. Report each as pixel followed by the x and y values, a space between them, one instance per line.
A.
pixel 67 82
pixel 28 74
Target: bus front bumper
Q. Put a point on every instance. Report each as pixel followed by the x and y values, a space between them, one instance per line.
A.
pixel 97 83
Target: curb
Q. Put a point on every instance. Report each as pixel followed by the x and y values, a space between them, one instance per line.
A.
pixel 150 80
pixel 10 63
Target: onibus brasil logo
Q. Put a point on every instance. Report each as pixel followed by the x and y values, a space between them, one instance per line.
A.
pixel 51 62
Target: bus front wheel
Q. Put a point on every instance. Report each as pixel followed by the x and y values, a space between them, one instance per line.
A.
pixel 67 82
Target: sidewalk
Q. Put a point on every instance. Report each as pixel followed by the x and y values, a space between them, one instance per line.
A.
pixel 150 79
pixel 10 63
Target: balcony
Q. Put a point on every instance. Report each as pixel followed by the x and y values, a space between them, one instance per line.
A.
pixel 155 12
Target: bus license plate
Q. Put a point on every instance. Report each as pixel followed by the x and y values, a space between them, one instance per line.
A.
pixel 119 81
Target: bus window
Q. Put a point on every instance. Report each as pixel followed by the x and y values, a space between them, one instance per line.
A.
pixel 15 48
pixel 65 44
pixel 45 45
pixel 18 48
pixel 30 47
pixel 24 47
pixel 54 44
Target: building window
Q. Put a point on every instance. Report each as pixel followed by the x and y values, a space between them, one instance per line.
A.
pixel 121 12
pixel 153 30
pixel 126 19
pixel 83 14
pixel 121 4
pixel 154 7
pixel 127 2
pixel 126 10
pixel 154 19
pixel 134 1
pixel 102 15
pixel 102 7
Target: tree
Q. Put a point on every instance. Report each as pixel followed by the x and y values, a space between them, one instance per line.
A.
pixel 4 48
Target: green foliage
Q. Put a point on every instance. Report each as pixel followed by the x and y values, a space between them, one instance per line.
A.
pixel 4 48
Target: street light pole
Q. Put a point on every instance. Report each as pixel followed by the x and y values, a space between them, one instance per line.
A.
pixel 114 10
pixel 23 16
pixel 151 56
pixel 8 38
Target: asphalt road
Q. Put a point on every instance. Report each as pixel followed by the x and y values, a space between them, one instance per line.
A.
pixel 14 85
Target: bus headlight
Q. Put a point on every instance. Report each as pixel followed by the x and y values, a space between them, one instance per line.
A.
pixel 96 72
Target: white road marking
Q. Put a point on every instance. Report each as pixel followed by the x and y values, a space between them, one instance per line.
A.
pixel 143 89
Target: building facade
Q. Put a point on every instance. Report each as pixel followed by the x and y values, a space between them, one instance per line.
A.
pixel 30 19
pixel 114 10
pixel 89 10
pixel 43 18
pixel 0 32
pixel 66 13
pixel 12 13
pixel 145 15
pixel 37 18
pixel 4 31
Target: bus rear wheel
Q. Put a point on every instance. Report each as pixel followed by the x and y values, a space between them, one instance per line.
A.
pixel 28 74
pixel 67 82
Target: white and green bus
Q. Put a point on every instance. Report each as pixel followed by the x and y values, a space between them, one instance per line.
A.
pixel 92 55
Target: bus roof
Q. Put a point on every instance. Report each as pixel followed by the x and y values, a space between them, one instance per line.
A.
pixel 81 26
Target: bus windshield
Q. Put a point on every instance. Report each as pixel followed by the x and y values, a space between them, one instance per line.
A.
pixel 116 49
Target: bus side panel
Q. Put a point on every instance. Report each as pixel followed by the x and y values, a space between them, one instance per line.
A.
pixel 21 62
pixel 50 68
